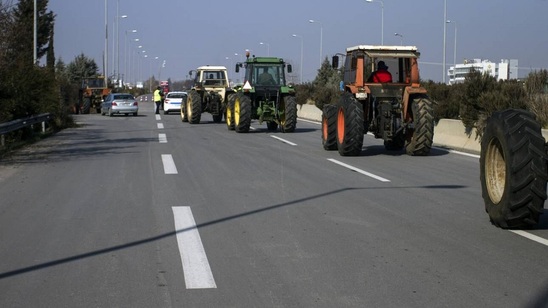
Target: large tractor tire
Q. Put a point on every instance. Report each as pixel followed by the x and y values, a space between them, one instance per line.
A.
pixel 513 170
pixel 288 118
pixel 350 126
pixel 86 105
pixel 242 113
pixel 420 142
pixel 329 127
pixel 230 112
pixel 194 107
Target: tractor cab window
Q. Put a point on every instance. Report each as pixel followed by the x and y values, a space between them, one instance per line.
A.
pixel 214 78
pixel 267 75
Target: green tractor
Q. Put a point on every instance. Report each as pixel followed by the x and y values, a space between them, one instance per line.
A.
pixel 264 96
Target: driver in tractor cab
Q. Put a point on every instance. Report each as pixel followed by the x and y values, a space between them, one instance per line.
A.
pixel 265 77
pixel 381 75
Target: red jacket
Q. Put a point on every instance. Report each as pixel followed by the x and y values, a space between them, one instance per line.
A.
pixel 381 76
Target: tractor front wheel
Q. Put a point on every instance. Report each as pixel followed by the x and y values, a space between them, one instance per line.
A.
pixel 513 169
pixel 329 127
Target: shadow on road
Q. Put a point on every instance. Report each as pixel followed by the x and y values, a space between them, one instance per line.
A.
pixel 74 258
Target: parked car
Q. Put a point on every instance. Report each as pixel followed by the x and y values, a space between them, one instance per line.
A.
pixel 119 103
pixel 173 101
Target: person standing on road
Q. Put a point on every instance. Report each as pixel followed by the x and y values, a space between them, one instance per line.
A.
pixel 158 98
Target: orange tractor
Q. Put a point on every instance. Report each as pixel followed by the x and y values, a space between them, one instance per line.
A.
pixel 91 95
pixel 396 110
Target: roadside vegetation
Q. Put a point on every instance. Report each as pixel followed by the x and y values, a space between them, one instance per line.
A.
pixel 52 86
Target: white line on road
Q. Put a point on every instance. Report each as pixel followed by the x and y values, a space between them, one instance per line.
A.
pixel 195 264
pixel 160 125
pixel 162 138
pixel 158 117
pixel 376 177
pixel 169 164
pixel 283 140
pixel 532 237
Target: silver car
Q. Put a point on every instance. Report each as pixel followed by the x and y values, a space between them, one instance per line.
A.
pixel 120 103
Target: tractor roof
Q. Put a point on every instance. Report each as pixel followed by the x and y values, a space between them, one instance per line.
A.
pixel 211 68
pixel 265 60
pixel 376 51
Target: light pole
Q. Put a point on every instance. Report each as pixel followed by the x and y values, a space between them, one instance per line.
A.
pixel 105 56
pixel 321 37
pixel 125 53
pixel 302 45
pixel 401 37
pixel 455 47
pixel 382 17
pixel 267 48
pixel 118 46
pixel 444 36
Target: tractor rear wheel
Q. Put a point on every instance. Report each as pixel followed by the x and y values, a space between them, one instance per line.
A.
pixel 230 112
pixel 288 119
pixel 215 108
pixel 513 169
pixel 194 107
pixel 350 126
pixel 329 127
pixel 420 142
pixel 242 113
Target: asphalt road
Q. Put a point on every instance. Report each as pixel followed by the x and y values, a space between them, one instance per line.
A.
pixel 148 211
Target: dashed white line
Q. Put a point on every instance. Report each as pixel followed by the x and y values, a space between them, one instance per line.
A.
pixel 195 264
pixel 158 117
pixel 160 125
pixel 283 140
pixel 162 138
pixel 169 164
pixel 376 177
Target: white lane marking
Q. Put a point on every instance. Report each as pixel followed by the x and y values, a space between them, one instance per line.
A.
pixel 158 117
pixel 530 236
pixel 169 164
pixel 160 125
pixel 283 140
pixel 162 138
pixel 376 177
pixel 195 265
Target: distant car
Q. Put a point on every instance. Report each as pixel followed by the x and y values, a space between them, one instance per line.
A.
pixel 173 101
pixel 120 103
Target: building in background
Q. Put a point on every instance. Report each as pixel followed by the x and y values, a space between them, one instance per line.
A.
pixel 506 69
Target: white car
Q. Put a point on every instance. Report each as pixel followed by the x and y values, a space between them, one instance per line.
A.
pixel 173 100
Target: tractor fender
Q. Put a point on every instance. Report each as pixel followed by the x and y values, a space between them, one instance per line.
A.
pixel 407 93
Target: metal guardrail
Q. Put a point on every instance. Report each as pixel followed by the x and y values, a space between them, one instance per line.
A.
pixel 20 123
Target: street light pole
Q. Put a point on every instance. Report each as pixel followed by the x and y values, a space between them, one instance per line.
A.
pixel 382 17
pixel 455 47
pixel 401 37
pixel 444 36
pixel 125 55
pixel 302 45
pixel 321 38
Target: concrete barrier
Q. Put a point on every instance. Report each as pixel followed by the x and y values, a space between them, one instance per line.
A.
pixel 447 133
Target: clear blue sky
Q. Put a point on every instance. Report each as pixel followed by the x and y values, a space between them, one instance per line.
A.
pixel 187 34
